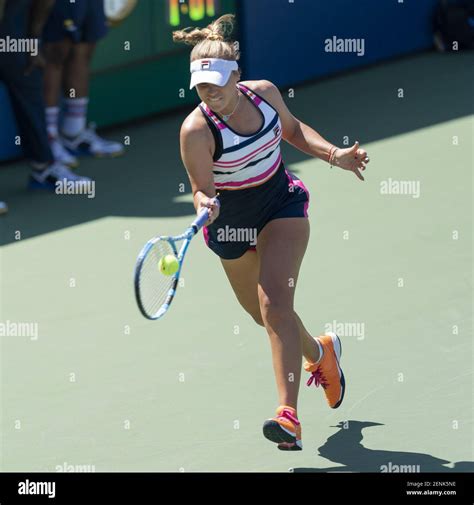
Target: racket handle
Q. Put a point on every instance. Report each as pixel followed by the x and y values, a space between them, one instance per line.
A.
pixel 198 223
pixel 200 220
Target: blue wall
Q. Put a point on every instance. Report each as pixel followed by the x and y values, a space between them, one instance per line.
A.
pixel 284 42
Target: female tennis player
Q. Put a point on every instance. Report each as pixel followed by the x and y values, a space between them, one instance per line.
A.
pixel 230 145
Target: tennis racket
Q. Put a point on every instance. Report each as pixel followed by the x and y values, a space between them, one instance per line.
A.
pixel 154 290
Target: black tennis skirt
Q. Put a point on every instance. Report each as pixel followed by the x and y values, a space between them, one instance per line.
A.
pixel 245 212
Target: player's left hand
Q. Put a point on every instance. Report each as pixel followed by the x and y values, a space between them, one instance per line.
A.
pixel 353 159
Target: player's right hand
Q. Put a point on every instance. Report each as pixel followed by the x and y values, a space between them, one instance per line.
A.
pixel 213 206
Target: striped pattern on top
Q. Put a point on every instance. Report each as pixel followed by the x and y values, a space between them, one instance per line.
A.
pixel 247 160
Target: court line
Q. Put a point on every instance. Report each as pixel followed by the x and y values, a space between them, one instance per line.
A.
pixel 448 382
pixel 365 397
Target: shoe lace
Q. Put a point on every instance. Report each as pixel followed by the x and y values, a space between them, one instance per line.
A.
pixel 318 378
pixel 288 415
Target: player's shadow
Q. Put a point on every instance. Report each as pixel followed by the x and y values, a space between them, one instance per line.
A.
pixel 345 448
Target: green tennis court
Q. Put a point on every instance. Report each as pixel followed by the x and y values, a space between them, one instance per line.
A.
pixel 92 385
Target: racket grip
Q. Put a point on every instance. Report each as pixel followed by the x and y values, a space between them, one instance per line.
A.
pixel 198 223
pixel 201 219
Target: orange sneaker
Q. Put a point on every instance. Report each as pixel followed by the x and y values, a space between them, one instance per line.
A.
pixel 327 372
pixel 284 429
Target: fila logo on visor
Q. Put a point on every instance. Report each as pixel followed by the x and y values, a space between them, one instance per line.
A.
pixel 205 65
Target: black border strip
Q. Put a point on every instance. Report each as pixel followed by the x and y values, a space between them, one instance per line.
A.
pixel 300 486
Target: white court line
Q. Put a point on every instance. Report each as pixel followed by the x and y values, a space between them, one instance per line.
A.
pixel 448 382
pixel 365 398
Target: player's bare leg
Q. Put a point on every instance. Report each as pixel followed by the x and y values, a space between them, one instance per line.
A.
pixel 281 247
pixel 243 274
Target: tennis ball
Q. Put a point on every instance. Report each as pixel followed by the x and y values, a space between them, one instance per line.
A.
pixel 168 265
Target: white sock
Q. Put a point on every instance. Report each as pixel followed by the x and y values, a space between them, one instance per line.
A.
pixel 52 114
pixel 75 116
pixel 321 351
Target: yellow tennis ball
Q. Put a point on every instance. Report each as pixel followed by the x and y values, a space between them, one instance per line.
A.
pixel 168 265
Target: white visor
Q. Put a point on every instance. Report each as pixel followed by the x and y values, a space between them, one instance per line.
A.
pixel 211 70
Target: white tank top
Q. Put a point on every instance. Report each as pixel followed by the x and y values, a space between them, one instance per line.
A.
pixel 245 161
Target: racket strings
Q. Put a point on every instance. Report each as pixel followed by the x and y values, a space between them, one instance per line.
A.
pixel 154 286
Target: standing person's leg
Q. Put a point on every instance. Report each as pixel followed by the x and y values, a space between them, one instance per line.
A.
pixel 77 137
pixel 76 89
pixel 59 34
pixel 91 24
pixel 77 74
pixel 26 97
pixel 56 54
pixel 26 94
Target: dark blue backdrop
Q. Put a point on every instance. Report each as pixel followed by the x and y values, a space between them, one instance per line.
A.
pixel 284 41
